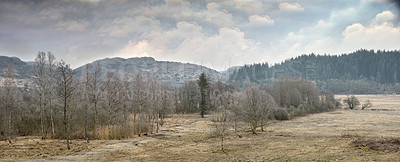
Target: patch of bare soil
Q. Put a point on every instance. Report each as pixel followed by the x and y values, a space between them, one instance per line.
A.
pixel 392 145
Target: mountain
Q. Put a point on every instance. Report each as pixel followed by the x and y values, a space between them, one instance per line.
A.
pixel 164 71
pixel 23 69
pixel 363 71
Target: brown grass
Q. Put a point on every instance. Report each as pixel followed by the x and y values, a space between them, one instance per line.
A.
pixel 117 131
pixel 379 102
pixel 32 147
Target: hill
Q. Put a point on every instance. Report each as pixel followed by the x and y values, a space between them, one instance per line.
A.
pixel 22 68
pixel 363 71
pixel 165 71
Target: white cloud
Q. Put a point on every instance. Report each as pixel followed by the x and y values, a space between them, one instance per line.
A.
pixel 256 20
pixel 215 14
pixel 322 25
pixel 188 43
pixel 291 7
pixel 382 36
pixel 138 49
pixel 382 17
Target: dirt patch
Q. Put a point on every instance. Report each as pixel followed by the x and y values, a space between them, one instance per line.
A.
pixel 378 145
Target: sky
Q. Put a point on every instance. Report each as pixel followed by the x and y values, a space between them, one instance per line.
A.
pixel 217 34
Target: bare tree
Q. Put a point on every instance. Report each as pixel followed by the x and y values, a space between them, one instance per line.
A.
pixel 9 97
pixel 154 102
pixel 352 102
pixel 65 90
pixel 166 102
pixel 86 99
pixel 113 95
pixel 39 73
pixel 190 97
pixel 94 94
pixel 366 105
pixel 50 83
pixel 139 99
pixel 235 108
pixel 256 106
pixel 221 119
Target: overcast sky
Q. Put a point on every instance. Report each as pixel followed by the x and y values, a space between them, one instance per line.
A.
pixel 217 34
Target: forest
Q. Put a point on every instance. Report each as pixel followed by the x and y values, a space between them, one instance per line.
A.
pixel 360 72
pixel 115 106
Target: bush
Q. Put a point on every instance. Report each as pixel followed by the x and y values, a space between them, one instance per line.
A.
pixel 280 114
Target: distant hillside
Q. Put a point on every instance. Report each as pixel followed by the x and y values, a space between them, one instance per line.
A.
pixel 363 71
pixel 22 68
pixel 166 71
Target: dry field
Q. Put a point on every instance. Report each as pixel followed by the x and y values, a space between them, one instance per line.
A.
pixel 344 135
pixel 379 102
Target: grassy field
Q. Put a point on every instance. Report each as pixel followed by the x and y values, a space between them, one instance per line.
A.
pixel 344 135
pixel 380 102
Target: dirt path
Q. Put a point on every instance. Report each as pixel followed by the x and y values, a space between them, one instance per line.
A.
pixel 117 149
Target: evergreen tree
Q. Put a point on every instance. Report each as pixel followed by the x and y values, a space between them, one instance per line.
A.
pixel 203 84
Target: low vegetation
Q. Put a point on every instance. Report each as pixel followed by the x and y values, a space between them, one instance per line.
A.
pixel 83 112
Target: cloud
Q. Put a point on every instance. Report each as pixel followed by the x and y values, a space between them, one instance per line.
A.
pixel 382 36
pixel 290 7
pixel 139 49
pixel 251 7
pixel 72 25
pixel 188 43
pixel 379 34
pixel 215 14
pixel 123 26
pixel 256 20
pixel 384 16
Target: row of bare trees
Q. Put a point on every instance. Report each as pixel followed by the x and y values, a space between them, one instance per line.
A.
pixel 96 106
pixel 109 105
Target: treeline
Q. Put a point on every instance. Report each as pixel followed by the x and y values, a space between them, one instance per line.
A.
pixel 368 70
pixel 116 106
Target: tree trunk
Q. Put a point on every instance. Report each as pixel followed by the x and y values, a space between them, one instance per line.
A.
pixel 86 123
pixel 96 120
pixel 9 123
pixel 41 116
pixel 52 120
pixel 66 123
pixel 262 126
pixel 235 125
pixel 254 128
pixel 109 124
pixel 222 142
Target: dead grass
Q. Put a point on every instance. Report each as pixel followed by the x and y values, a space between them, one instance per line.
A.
pixel 378 145
pixel 379 102
pixel 32 147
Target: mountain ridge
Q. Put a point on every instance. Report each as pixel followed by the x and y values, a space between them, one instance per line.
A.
pixel 164 71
